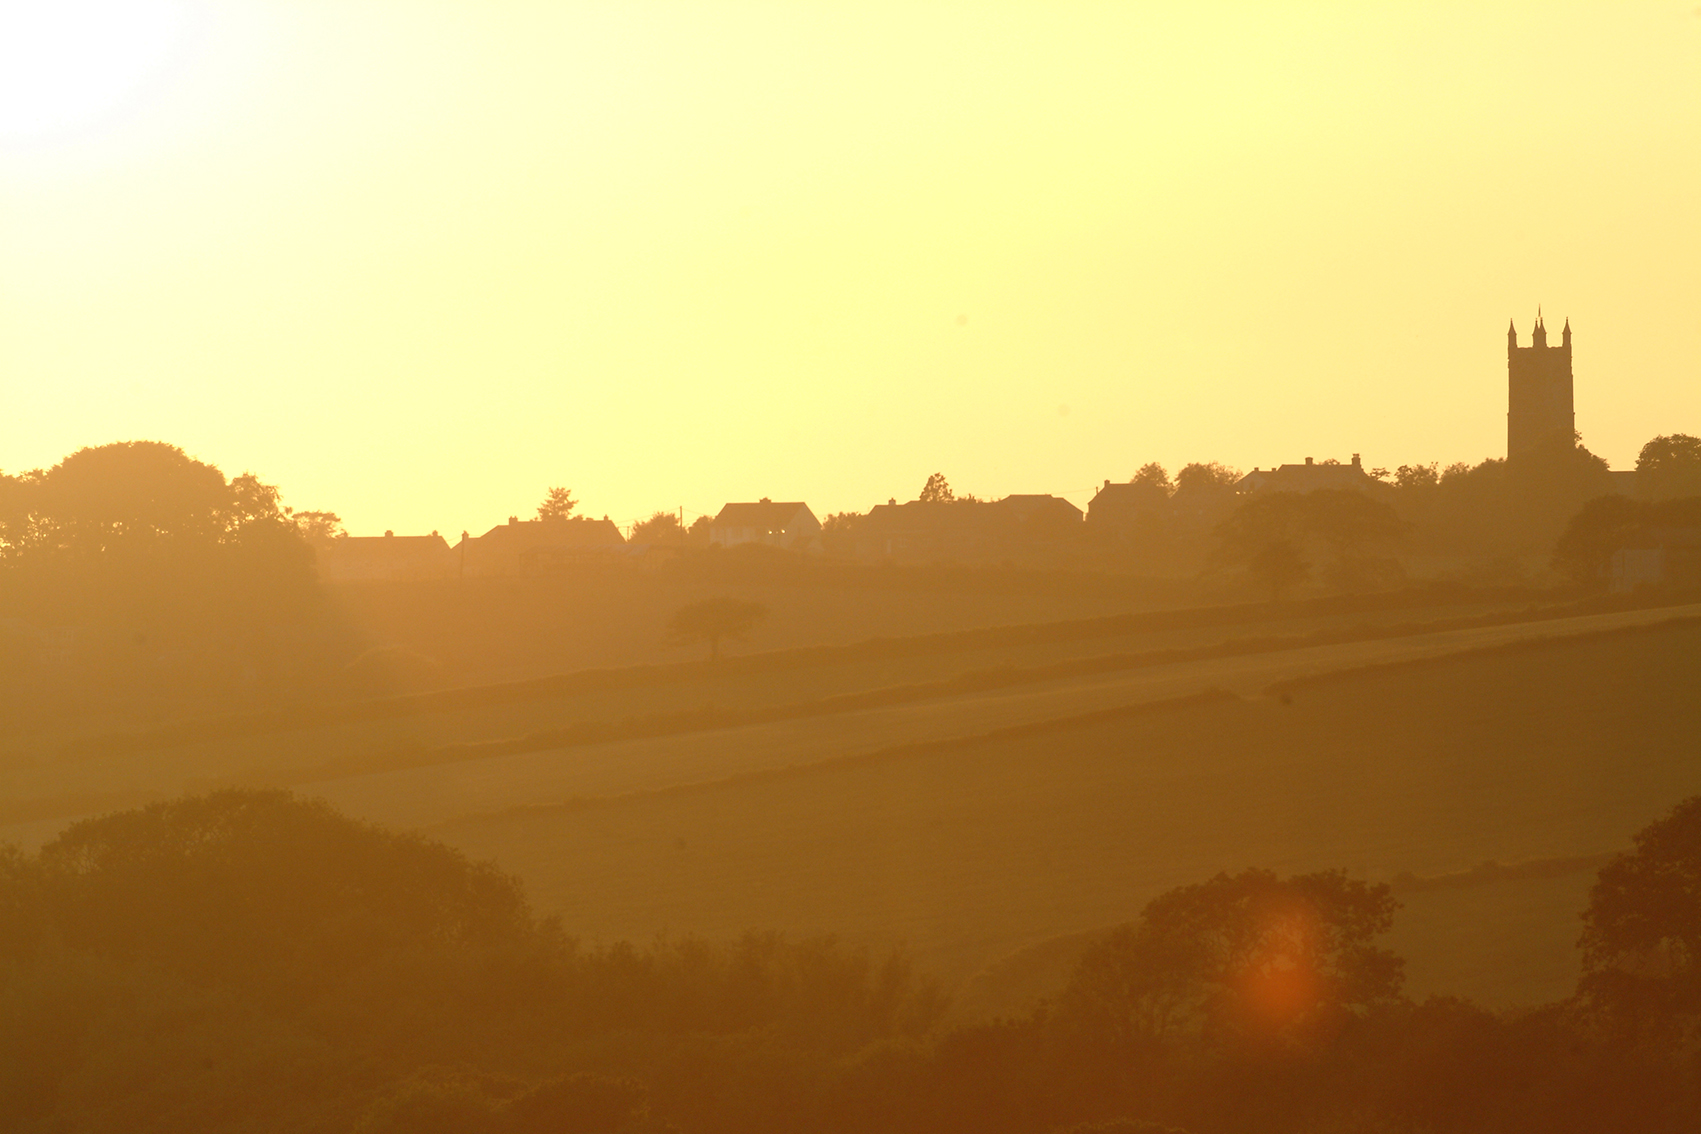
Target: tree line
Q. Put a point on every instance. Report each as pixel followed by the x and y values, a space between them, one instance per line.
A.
pixel 134 567
pixel 249 961
pixel 160 573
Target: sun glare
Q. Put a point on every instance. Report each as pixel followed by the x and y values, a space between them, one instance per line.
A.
pixel 69 64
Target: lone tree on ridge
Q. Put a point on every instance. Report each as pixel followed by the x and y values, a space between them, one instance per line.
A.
pixel 713 619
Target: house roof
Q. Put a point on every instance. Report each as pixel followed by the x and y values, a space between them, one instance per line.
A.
pixel 1305 478
pixel 578 531
pixel 1127 494
pixel 935 515
pixel 764 514
pixel 1040 505
pixel 385 547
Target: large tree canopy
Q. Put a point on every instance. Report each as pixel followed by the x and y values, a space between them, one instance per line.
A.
pixel 1248 956
pixel 130 494
pixel 258 882
pixel 1669 467
pixel 1608 524
pixel 713 619
pixel 1272 534
pixel 155 568
pixel 1642 930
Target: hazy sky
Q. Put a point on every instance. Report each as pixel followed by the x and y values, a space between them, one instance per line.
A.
pixel 415 262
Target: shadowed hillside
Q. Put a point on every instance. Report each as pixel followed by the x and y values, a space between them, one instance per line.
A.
pixel 968 848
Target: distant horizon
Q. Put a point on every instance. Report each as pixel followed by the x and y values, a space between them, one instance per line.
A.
pixel 1078 496
pixel 414 265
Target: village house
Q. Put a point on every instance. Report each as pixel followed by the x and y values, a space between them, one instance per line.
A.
pixel 1015 528
pixel 1309 477
pixel 534 547
pixel 1119 505
pixel 788 525
pixel 1659 556
pixel 389 556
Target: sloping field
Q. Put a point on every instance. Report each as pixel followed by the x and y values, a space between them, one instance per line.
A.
pixel 427 758
pixel 968 849
pixel 45 777
pixel 438 792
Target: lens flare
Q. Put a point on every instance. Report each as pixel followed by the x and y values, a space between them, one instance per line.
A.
pixel 1280 983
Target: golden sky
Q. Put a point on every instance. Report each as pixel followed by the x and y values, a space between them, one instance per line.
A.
pixel 417 261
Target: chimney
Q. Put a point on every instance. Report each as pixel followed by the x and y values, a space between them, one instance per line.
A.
pixel 1356 463
pixel 1308 460
pixel 1107 484
pixel 389 535
pixel 516 519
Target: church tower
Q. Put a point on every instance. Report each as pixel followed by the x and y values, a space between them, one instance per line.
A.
pixel 1539 409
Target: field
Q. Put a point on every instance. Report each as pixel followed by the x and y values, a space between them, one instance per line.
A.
pixel 990 796
pixel 969 850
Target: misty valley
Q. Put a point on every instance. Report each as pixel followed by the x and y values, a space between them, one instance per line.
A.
pixel 1119 830
pixel 708 567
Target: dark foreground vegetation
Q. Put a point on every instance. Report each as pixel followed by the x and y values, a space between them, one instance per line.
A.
pixel 247 961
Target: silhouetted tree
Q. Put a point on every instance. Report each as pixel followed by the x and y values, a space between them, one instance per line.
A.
pixel 838 534
pixel 558 504
pixel 131 497
pixel 713 619
pixel 1279 566
pixel 936 491
pixel 1606 524
pixel 1602 526
pixel 1269 533
pixel 1669 467
pixel 1350 523
pixel 1153 474
pixel 265 887
pixel 317 528
pixel 1642 930
pixel 1417 477
pixel 249 960
pixel 661 527
pixel 153 555
pixel 1205 474
pixel 1245 957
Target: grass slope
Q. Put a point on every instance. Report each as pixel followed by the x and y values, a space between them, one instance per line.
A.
pixel 312 743
pixel 970 849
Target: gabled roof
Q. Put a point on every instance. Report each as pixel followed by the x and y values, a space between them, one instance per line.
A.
pixel 765 515
pixel 385 547
pixel 1305 478
pixel 578 531
pixel 1129 494
pixel 1037 506
pixel 935 515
